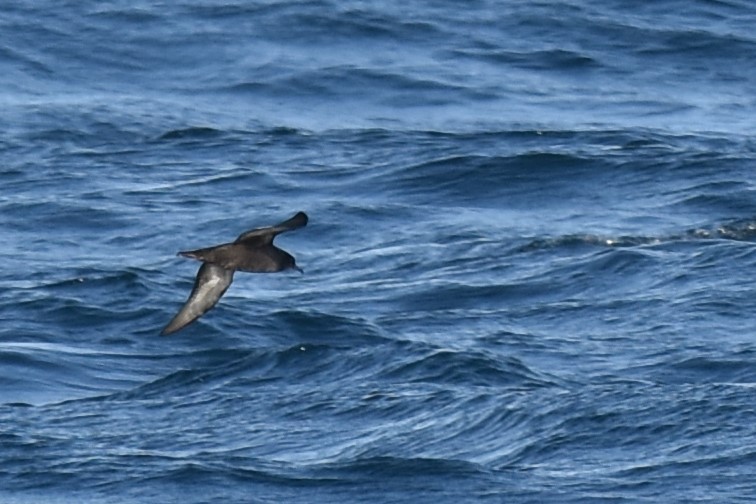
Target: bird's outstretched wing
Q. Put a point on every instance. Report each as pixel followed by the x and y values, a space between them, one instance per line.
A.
pixel 211 283
pixel 264 236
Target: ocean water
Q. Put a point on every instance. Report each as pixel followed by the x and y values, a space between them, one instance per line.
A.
pixel 529 268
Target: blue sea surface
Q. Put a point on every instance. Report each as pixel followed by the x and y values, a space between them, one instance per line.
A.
pixel 529 267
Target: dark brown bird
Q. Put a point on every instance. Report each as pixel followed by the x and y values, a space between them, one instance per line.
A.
pixel 253 251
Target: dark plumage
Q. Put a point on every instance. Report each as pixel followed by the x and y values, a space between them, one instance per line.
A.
pixel 253 251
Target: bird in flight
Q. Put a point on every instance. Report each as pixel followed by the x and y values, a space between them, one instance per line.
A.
pixel 253 251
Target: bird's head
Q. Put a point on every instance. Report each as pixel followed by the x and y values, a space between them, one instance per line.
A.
pixel 292 264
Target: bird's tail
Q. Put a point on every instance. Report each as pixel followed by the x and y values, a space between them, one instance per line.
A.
pixel 199 255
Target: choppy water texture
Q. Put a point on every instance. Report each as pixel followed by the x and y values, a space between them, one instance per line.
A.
pixel 529 267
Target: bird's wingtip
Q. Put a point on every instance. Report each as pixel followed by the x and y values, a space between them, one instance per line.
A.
pixel 167 330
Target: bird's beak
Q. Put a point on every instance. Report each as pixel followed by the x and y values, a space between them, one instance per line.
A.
pixel 299 269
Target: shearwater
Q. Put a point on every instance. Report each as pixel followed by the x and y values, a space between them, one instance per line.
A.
pixel 253 251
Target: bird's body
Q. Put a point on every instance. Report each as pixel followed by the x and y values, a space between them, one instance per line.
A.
pixel 243 257
pixel 253 251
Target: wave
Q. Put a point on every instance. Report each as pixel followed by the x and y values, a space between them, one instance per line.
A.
pixel 552 60
pixel 357 83
pixel 460 368
pixel 737 230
